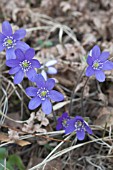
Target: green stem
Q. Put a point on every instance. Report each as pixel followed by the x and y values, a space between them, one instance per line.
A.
pixel 82 94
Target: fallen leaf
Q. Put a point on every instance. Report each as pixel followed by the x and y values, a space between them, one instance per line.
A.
pixel 22 142
pixel 105 117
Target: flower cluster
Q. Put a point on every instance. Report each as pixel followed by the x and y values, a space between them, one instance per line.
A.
pixel 23 64
pixel 77 124
pixel 20 59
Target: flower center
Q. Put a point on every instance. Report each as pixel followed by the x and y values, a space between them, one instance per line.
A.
pixel 79 125
pixel 9 42
pixel 97 65
pixel 43 93
pixel 64 123
pixel 25 65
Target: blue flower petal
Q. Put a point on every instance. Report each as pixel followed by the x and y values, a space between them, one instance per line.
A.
pixel 14 70
pixel 22 45
pixel 104 56
pixel 59 126
pixel 89 60
pixel 1 47
pixel 39 79
pixel 19 34
pixel 34 103
pixel 89 71
pixel 12 63
pixel 47 106
pixel 65 115
pixel 2 37
pixel 95 52
pixel 31 91
pixel 56 96
pixel 35 63
pixel 80 134
pixel 79 118
pixel 88 129
pixel 10 54
pixel 100 76
pixel 18 77
pixel 20 55
pixel 31 73
pixel 6 28
pixel 71 126
pixel 52 70
pixel 30 53
pixel 108 65
pixel 50 83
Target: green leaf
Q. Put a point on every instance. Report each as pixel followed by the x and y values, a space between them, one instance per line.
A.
pixel 3 153
pixel 8 166
pixel 48 43
pixel 40 42
pixel 45 44
pixel 15 160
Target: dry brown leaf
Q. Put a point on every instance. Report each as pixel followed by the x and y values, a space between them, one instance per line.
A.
pixel 4 137
pixel 22 142
pixel 105 117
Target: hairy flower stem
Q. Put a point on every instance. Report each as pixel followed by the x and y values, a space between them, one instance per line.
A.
pixel 54 117
pixel 82 93
pixel 72 94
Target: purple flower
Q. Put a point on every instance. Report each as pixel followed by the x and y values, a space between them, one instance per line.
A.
pixel 62 121
pixel 24 64
pixel 10 41
pixel 48 68
pixel 42 94
pixel 79 125
pixel 98 63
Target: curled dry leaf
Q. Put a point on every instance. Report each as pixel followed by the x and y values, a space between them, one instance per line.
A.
pixel 31 126
pixel 13 135
pixel 5 138
pixel 105 117
pixel 41 117
pixel 103 98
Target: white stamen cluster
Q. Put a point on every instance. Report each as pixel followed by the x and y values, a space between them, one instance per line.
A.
pixel 10 44
pixel 25 65
pixel 97 65
pixel 79 125
pixel 64 122
pixel 40 93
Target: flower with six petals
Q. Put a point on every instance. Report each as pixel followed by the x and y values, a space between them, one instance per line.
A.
pixel 24 64
pixel 98 62
pixel 78 125
pixel 62 121
pixel 42 94
pixel 10 41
